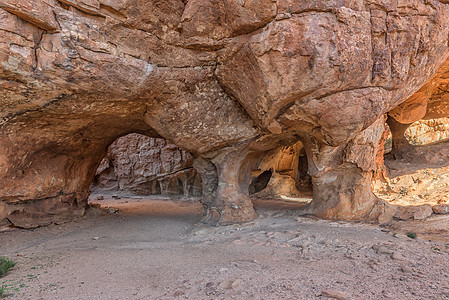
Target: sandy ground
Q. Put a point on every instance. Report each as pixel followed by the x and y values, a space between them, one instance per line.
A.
pixel 154 249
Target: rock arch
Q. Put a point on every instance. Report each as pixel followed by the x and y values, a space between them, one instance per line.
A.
pixel 75 75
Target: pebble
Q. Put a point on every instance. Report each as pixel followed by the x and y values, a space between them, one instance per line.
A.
pixel 335 294
pixel 380 249
pixel 396 256
pixel 406 269
pixel 112 210
pixel 230 284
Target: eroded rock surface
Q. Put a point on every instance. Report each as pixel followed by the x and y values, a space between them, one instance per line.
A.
pixel 226 81
pixel 141 165
pixel 425 132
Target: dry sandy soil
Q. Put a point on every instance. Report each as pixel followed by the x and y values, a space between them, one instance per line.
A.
pixel 155 249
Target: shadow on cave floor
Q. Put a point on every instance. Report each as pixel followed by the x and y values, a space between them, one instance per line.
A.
pixel 430 156
pixel 294 204
pixel 154 205
pixel 165 206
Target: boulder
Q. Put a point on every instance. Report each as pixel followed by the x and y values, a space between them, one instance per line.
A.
pixel 441 209
pixel 418 212
pixel 141 165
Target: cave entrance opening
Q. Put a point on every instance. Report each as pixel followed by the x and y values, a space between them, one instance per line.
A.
pixel 138 169
pixel 281 179
pixel 416 160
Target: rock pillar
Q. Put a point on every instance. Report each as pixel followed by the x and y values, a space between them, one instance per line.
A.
pixel 342 176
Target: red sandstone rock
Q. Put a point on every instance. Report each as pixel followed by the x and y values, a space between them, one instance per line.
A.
pixel 141 165
pixel 38 12
pixel 418 212
pixel 441 209
pixel 227 81
pixel 279 187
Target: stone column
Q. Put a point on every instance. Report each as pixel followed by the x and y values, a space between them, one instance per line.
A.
pixel 234 177
pixel 209 180
pixel 341 177
pixel 400 144
pixel 226 179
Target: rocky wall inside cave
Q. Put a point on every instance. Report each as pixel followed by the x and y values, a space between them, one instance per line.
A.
pixel 139 165
pixel 228 81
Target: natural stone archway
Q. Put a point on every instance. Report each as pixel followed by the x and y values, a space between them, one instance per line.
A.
pixel 51 183
pixel 77 75
pixel 416 167
pixel 277 175
pixel 429 102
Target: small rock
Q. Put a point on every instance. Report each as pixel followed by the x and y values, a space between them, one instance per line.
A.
pixel 238 242
pixel 235 283
pixel 19 254
pixel 96 238
pixel 178 293
pixel 406 269
pixel 116 197
pixel 381 249
pixel 335 294
pixel 230 284
pixel 100 197
pixel 210 289
pixel 441 209
pixel 396 256
pixel 112 210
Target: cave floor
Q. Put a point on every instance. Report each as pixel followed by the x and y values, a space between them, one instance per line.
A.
pixel 155 249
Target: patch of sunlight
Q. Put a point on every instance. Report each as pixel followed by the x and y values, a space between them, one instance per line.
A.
pixel 304 200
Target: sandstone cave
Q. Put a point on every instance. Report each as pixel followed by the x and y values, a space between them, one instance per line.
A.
pixel 292 125
pixel 75 79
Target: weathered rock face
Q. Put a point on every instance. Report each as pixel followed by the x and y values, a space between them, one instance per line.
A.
pixel 226 81
pixel 141 165
pixel 428 131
